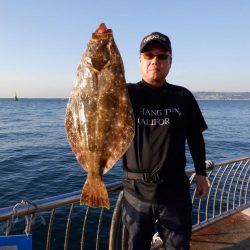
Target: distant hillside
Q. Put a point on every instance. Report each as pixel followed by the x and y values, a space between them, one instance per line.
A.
pixel 222 95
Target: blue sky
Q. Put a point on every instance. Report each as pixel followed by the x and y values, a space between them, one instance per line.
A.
pixel 42 42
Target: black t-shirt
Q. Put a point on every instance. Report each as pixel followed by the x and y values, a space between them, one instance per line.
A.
pixel 164 117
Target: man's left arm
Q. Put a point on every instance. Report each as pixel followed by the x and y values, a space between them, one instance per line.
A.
pixel 197 149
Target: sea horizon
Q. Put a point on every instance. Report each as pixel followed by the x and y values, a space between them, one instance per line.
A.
pixel 199 95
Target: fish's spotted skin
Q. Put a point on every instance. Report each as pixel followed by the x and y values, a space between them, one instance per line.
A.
pixel 99 117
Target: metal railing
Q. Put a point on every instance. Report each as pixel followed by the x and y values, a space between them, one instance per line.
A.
pixel 61 217
pixel 228 192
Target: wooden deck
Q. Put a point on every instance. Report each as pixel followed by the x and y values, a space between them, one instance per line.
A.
pixel 230 233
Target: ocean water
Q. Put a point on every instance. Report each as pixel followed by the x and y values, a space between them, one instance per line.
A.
pixel 37 162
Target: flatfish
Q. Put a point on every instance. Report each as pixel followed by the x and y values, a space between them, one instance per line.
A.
pixel 99 117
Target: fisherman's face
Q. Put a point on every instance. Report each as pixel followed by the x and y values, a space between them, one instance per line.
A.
pixel 155 63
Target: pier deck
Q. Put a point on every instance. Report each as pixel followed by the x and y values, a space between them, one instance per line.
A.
pixel 230 233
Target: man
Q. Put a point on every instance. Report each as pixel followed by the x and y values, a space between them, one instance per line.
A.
pixel 156 188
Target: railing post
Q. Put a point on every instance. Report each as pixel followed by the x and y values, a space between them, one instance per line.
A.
pixel 115 222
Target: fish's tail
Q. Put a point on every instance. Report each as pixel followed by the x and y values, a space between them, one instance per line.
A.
pixel 94 193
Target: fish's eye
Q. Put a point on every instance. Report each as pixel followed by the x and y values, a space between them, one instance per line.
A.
pixel 104 42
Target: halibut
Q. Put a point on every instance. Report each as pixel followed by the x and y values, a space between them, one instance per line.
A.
pixel 99 117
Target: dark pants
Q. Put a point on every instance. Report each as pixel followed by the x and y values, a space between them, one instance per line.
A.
pixel 174 222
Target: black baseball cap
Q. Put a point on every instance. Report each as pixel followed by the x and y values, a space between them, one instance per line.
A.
pixel 156 37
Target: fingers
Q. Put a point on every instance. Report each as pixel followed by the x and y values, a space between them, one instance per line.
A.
pixel 202 186
pixel 200 192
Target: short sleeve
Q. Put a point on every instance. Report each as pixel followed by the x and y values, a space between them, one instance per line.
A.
pixel 196 121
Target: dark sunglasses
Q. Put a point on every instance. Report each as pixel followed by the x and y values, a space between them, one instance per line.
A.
pixel 150 56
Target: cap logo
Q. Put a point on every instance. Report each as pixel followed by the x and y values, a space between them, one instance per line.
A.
pixel 152 37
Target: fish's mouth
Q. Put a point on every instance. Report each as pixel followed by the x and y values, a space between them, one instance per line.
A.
pixel 102 32
pixel 102 29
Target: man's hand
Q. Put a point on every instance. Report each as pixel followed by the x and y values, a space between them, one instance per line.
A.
pixel 202 185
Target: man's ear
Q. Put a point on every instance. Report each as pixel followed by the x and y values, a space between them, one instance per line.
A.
pixel 139 58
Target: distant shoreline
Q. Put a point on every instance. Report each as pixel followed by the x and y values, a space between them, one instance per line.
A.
pixel 200 95
pixel 222 95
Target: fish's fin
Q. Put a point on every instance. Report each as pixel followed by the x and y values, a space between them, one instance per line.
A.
pixel 94 193
pixel 109 164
